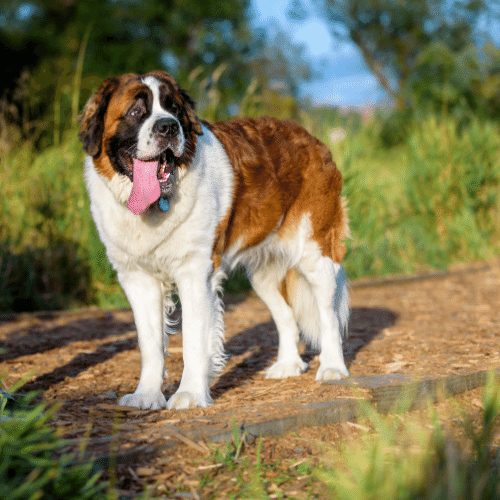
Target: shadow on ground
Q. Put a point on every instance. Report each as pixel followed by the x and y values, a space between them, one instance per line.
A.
pixel 35 339
pixel 41 338
pixel 258 345
pixel 261 342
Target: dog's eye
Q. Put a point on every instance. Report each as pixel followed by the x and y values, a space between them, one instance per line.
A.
pixel 169 104
pixel 137 110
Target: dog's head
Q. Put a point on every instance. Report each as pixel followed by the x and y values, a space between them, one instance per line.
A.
pixel 134 122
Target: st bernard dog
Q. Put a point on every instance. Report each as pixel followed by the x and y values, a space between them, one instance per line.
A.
pixel 178 202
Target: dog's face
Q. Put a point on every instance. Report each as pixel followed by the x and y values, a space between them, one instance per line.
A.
pixel 139 117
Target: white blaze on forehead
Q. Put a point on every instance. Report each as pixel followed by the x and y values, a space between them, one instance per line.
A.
pixel 154 84
pixel 147 145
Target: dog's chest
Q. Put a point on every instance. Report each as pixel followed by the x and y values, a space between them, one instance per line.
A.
pixel 162 243
pixel 154 245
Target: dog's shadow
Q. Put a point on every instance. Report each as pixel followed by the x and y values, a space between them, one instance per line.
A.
pixel 261 341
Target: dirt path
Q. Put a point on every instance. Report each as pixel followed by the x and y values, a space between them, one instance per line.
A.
pixel 86 359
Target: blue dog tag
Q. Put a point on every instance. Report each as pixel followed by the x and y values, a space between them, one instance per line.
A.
pixel 163 204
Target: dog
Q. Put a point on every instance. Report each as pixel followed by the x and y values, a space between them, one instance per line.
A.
pixel 179 202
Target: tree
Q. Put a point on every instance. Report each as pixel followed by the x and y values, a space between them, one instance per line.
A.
pixel 64 48
pixel 397 38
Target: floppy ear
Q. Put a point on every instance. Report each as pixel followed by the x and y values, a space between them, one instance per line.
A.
pixel 189 106
pixel 92 117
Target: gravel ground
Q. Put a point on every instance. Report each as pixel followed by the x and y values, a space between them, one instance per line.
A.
pixel 86 359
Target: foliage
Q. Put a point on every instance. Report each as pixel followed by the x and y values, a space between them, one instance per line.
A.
pixel 56 53
pixel 33 463
pixel 429 202
pixel 50 255
pixel 452 196
pixel 429 52
pixel 125 35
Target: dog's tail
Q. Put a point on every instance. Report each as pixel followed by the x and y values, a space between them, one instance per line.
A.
pixel 341 300
pixel 301 299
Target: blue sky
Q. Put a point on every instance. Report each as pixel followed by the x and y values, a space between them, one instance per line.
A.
pixel 343 78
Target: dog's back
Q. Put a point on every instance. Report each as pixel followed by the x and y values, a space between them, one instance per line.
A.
pixel 281 174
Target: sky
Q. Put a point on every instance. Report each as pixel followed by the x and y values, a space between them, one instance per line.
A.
pixel 342 76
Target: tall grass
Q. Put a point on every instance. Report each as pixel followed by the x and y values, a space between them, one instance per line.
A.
pixel 50 254
pixel 428 202
pixel 435 453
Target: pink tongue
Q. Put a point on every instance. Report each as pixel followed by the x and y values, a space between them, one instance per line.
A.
pixel 145 188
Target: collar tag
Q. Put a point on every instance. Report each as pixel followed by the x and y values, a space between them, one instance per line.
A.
pixel 163 204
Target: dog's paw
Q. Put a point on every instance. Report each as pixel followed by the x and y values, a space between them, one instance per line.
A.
pixel 282 369
pixel 182 400
pixel 144 400
pixel 327 373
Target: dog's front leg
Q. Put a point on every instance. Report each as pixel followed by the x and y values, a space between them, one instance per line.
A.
pixel 198 301
pixel 145 297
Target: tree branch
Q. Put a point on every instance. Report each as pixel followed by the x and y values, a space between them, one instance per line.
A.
pixel 374 66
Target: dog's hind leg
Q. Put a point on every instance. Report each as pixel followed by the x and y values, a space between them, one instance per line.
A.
pixel 266 282
pixel 145 297
pixel 326 280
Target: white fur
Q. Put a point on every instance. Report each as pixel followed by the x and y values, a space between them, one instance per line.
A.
pixel 155 252
pixel 147 146
pixel 170 248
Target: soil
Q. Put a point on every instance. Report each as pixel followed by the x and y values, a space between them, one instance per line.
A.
pixel 86 359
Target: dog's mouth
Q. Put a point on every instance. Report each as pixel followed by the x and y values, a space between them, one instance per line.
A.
pixel 165 170
pixel 165 164
pixel 151 179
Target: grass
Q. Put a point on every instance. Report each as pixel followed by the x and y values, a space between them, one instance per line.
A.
pixel 33 460
pixel 429 454
pixel 50 254
pixel 421 455
pixel 408 458
pixel 430 201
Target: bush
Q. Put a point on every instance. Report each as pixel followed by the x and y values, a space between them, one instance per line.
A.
pixel 430 201
pixel 50 254
pixel 395 127
pixel 452 192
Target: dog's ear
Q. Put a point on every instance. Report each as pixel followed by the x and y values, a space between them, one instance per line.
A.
pixel 189 106
pixel 92 117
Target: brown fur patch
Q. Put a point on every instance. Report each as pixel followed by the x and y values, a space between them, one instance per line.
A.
pixel 281 174
pixel 119 103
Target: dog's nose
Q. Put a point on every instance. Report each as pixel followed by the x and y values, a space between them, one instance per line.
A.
pixel 166 127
